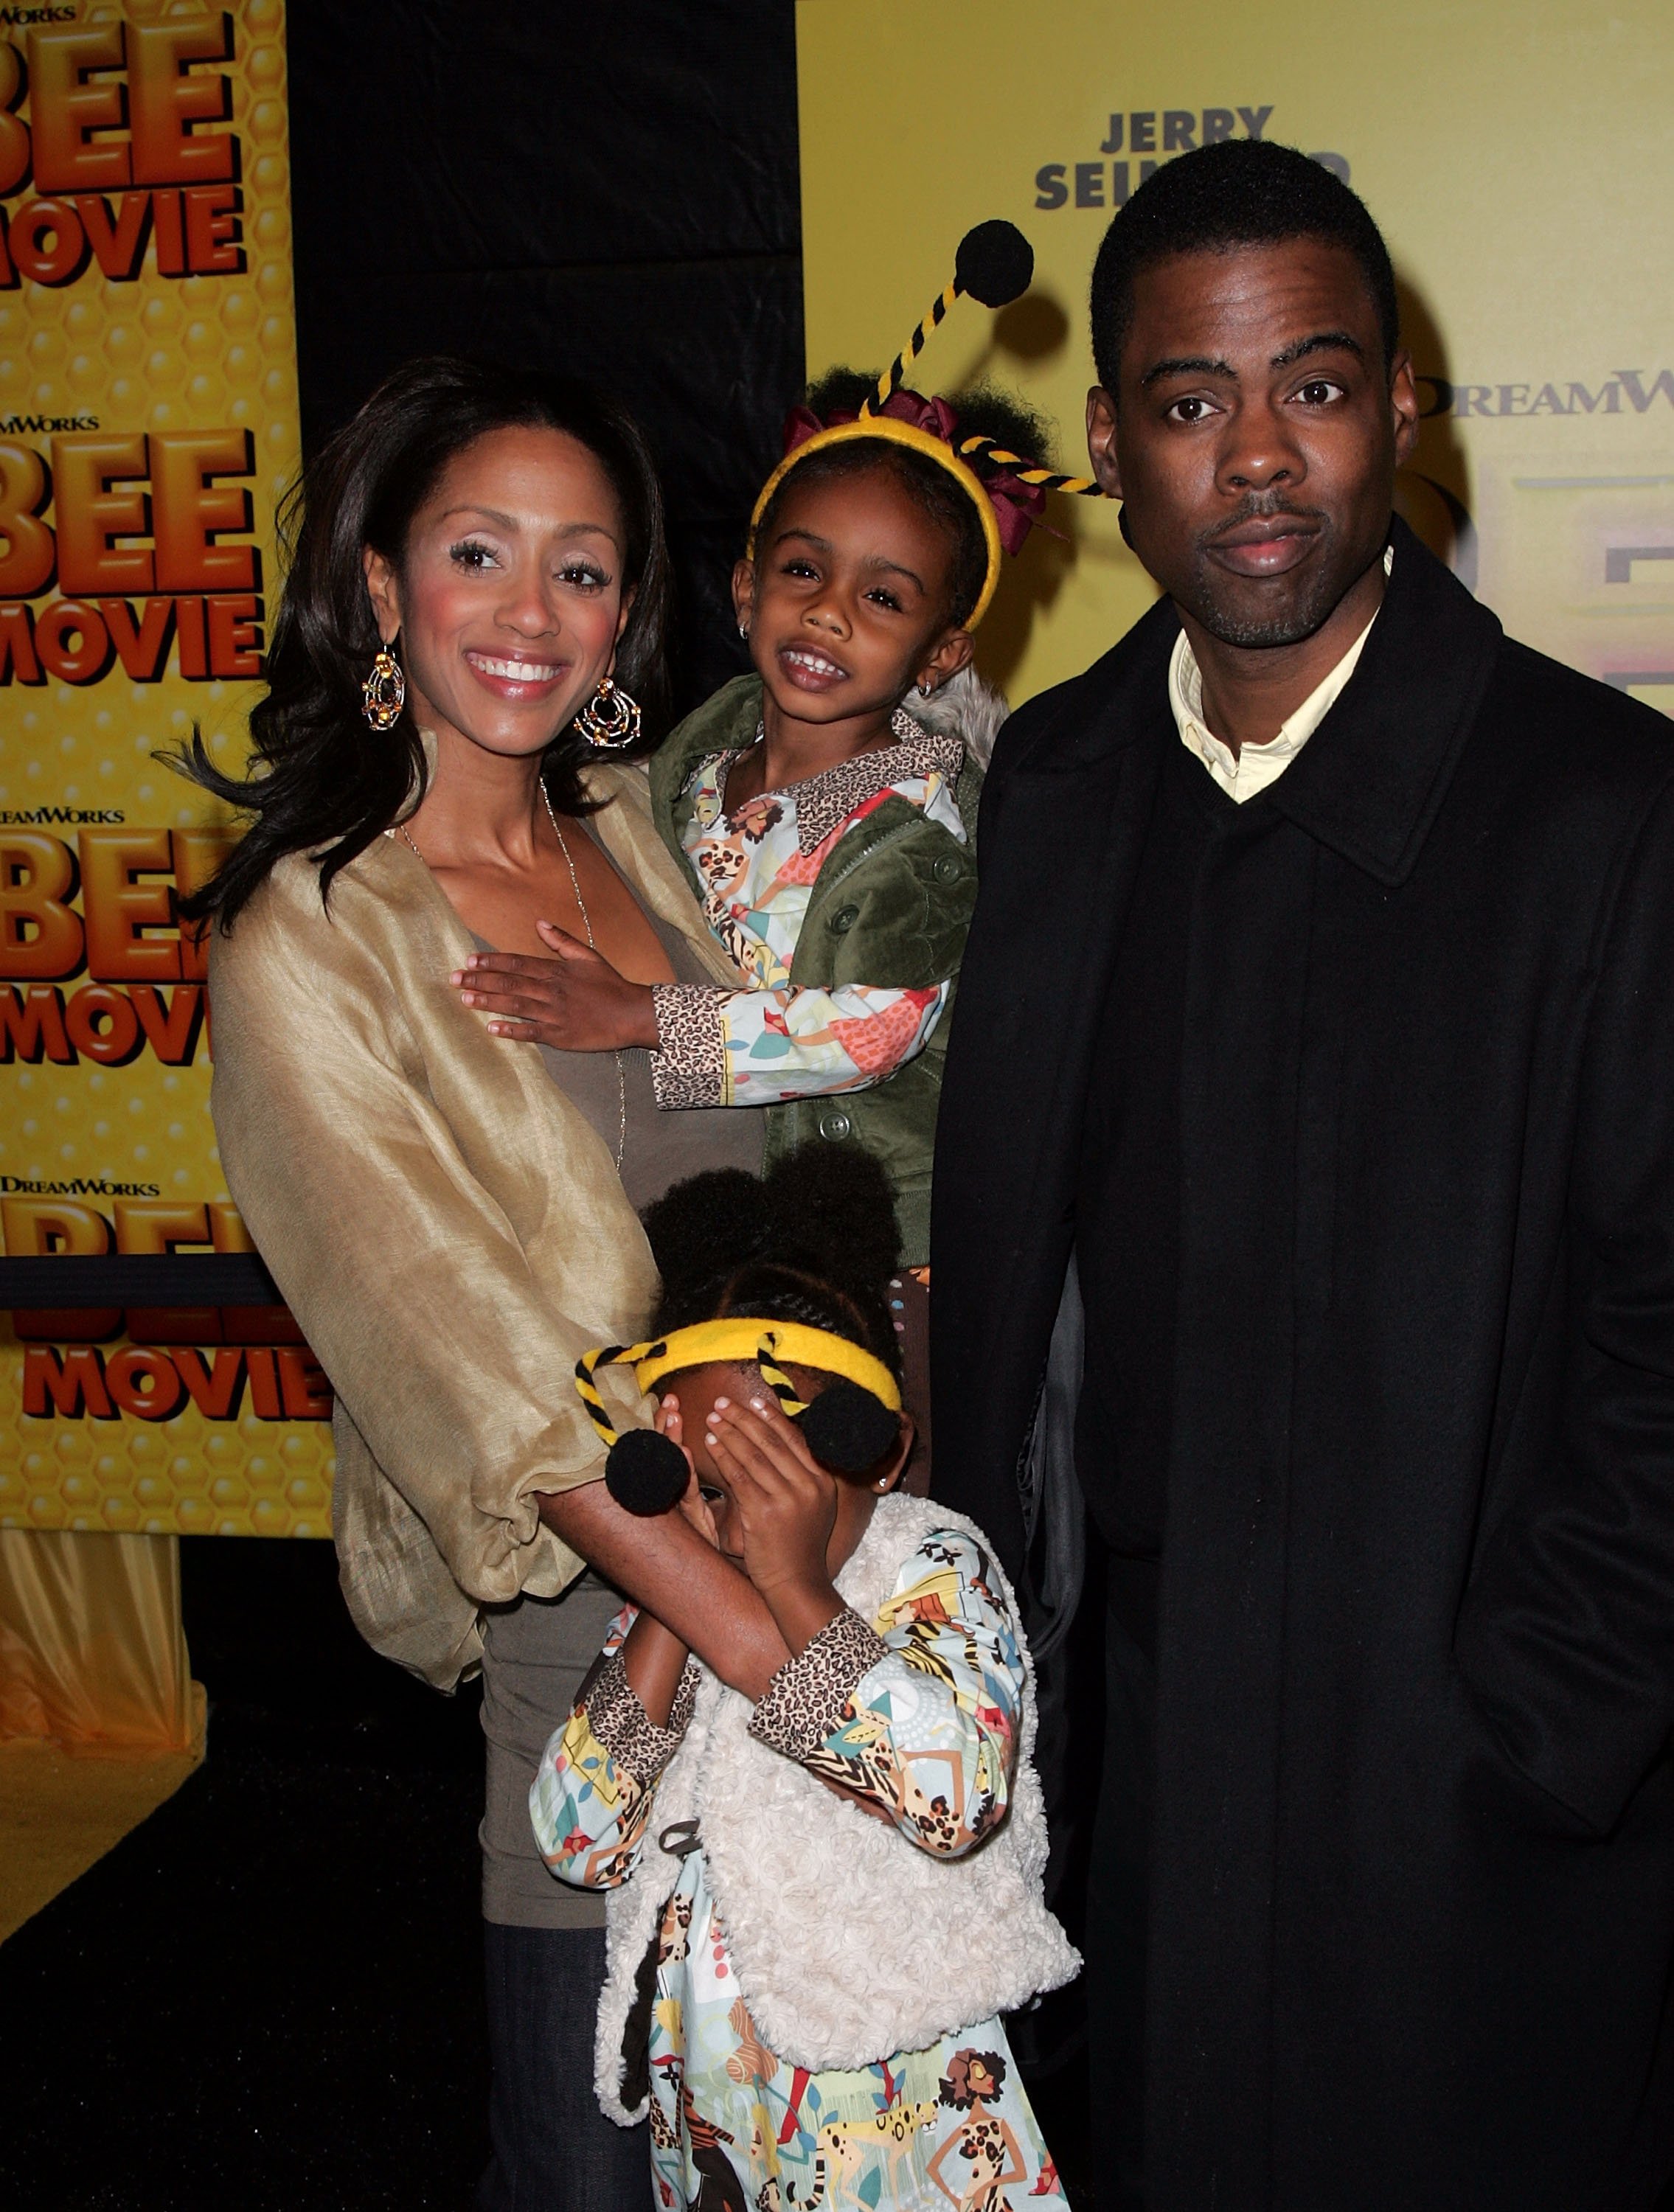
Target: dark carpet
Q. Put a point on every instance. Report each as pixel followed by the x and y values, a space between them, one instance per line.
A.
pixel 268 1996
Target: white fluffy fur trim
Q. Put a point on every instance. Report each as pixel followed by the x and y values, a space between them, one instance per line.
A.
pixel 967 708
pixel 849 1944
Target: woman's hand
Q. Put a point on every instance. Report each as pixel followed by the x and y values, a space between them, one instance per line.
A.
pixel 786 1505
pixel 576 1001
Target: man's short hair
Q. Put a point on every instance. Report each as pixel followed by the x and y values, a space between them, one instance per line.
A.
pixel 1241 192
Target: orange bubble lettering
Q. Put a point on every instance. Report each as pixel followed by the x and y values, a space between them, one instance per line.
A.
pixel 119 906
pixel 168 102
pixel 64 107
pixel 40 934
pixel 27 564
pixel 91 515
pixel 190 509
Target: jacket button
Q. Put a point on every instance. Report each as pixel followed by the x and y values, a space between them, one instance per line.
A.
pixel 844 920
pixel 946 868
pixel 835 1124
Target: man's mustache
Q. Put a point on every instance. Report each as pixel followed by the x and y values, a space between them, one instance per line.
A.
pixel 1261 510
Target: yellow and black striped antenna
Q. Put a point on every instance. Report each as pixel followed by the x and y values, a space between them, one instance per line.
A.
pixel 995 263
pixel 777 1380
pixel 1026 471
pixel 607 1355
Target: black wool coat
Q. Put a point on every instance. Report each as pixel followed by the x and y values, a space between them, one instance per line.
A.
pixel 1412 1910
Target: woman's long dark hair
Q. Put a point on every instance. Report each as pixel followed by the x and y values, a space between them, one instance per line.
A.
pixel 322 781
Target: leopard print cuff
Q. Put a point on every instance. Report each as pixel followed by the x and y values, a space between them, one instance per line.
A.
pixel 686 1697
pixel 808 1699
pixel 622 1727
pixel 689 1066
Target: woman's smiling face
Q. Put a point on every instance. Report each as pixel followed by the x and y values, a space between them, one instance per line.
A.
pixel 846 606
pixel 508 596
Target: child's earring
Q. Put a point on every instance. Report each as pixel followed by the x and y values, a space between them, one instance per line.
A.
pixel 744 631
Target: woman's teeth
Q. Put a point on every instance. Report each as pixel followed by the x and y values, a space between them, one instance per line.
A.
pixel 516 672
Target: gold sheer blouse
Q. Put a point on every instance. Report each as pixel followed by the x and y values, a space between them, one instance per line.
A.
pixel 444 1224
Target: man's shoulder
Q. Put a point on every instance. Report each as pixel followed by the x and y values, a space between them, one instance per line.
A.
pixel 1560 698
pixel 1108 704
pixel 1564 728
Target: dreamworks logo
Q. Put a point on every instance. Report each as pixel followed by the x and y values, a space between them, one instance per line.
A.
pixel 40 426
pixel 77 1187
pixel 1570 397
pixel 63 817
pixel 19 19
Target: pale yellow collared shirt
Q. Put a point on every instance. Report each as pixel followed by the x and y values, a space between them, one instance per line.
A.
pixel 1254 767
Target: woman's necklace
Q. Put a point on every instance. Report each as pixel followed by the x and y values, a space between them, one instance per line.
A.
pixel 586 924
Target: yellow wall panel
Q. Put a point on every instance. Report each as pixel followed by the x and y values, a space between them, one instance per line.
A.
pixel 1518 158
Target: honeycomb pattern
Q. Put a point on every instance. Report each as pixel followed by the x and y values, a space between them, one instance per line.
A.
pixel 157 353
pixel 191 1475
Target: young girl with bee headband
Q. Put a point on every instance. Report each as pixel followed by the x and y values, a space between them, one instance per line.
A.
pixel 869 1835
pixel 825 806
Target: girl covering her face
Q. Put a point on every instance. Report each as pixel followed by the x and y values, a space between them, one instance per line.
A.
pixel 797 1962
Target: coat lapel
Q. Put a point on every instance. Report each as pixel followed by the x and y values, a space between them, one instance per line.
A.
pixel 1370 781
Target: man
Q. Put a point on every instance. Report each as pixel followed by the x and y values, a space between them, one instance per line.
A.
pixel 1317 1009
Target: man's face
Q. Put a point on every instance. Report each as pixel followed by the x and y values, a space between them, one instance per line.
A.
pixel 1256 435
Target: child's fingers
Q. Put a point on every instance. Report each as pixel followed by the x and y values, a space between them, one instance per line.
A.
pixel 778 1423
pixel 667 1421
pixel 766 1448
pixel 749 1487
pixel 694 1508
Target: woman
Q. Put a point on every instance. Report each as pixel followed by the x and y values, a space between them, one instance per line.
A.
pixel 475 604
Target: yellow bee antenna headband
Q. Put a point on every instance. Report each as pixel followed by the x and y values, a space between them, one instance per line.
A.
pixel 996 264
pixel 849 1425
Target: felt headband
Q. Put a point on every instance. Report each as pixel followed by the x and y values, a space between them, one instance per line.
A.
pixel 849 1425
pixel 896 433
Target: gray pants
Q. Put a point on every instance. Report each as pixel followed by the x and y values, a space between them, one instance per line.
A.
pixel 554 2150
pixel 534 1655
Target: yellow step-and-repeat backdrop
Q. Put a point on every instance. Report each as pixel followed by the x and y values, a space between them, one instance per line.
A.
pixel 1519 159
pixel 147 430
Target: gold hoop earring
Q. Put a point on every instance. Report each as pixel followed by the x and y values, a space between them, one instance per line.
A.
pixel 384 693
pixel 610 721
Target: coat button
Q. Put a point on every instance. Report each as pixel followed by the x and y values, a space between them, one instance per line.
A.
pixel 835 1124
pixel 946 868
pixel 844 920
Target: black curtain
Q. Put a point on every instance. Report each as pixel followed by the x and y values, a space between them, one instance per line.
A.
pixel 610 190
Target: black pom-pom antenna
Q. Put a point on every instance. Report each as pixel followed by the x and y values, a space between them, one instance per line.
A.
pixel 995 263
pixel 645 1472
pixel 846 1427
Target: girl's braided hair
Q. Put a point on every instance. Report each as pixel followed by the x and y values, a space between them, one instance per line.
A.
pixel 812 1240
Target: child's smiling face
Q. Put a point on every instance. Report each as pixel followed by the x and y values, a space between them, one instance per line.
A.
pixel 847 607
